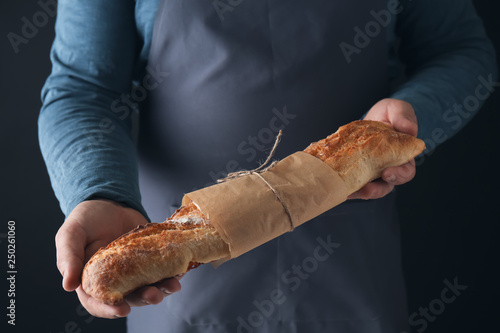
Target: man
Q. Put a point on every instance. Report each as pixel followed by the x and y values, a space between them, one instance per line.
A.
pixel 212 82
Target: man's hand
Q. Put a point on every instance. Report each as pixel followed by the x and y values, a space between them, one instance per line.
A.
pixel 91 225
pixel 401 116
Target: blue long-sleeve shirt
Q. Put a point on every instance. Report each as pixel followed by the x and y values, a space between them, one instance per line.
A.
pixel 101 49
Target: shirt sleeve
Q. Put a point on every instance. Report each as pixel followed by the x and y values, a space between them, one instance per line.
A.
pixel 85 137
pixel 450 65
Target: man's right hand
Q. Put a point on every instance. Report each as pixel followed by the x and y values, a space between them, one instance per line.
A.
pixel 91 225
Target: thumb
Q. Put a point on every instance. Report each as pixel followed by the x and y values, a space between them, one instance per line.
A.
pixel 403 119
pixel 70 251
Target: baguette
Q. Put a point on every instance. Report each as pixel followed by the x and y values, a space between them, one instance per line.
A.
pixel 358 152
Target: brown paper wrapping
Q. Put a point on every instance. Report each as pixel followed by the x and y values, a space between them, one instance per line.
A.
pixel 247 213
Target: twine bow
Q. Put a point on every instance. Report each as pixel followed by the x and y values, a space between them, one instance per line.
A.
pixel 262 168
pixel 258 171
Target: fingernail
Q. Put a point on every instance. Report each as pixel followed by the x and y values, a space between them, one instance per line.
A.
pixel 165 291
pixel 144 301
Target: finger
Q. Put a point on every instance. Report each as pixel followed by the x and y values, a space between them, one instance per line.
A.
pixel 145 296
pixel 154 294
pixel 170 286
pixel 70 248
pixel 404 120
pixel 401 174
pixel 374 190
pixel 379 113
pixel 405 125
pixel 98 309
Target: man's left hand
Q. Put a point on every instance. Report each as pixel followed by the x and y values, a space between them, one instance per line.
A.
pixel 400 116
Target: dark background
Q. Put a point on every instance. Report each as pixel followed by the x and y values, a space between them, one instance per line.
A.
pixel 449 213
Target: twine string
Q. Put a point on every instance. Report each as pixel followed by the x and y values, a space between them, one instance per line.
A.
pixel 261 169
pixel 287 211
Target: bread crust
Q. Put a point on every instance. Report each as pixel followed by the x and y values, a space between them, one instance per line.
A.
pixel 361 150
pixel 358 152
pixel 151 253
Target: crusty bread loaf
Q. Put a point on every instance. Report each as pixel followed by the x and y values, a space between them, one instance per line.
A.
pixel 151 253
pixel 358 152
pixel 361 150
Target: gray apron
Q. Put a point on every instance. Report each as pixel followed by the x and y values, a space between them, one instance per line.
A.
pixel 238 72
